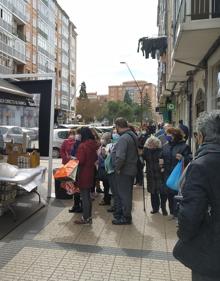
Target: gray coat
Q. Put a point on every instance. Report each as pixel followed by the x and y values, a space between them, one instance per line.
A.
pixel 125 155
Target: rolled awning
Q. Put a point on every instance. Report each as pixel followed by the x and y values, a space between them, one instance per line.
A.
pixel 13 95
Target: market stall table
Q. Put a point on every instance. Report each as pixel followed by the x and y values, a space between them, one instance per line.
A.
pixel 26 179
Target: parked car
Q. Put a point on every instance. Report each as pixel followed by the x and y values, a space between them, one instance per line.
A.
pixel 13 133
pixel 59 135
pixel 104 129
pixel 31 132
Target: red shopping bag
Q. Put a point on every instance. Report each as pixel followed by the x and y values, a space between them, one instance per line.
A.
pixel 69 170
pixel 70 187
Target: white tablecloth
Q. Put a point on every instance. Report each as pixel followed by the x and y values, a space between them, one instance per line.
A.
pixel 28 179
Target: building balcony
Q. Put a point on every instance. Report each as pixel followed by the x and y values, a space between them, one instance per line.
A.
pixel 5 69
pixel 19 34
pixel 196 28
pixel 5 25
pixel 18 9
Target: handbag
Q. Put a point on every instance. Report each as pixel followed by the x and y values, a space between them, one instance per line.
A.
pixel 69 170
pixel 174 178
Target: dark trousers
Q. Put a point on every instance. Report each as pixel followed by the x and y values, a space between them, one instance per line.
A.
pixel 198 277
pixel 158 200
pixel 112 186
pixel 87 203
pixel 170 196
pixel 123 196
pixel 94 181
pixel 77 200
pixel 107 196
pixel 140 173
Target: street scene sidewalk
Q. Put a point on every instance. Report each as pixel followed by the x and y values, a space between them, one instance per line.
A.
pixel 49 246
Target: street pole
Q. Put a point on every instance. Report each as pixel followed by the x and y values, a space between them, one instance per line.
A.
pixel 139 89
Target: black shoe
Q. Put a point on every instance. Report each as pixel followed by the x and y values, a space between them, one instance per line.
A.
pixel 75 209
pixel 154 211
pixel 121 221
pixel 164 212
pixel 111 209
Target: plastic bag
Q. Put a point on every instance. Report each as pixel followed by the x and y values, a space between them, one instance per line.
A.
pixel 70 187
pixel 69 170
pixel 7 170
pixel 174 178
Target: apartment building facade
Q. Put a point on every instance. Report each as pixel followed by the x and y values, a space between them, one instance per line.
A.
pixel 117 92
pixel 189 75
pixel 37 36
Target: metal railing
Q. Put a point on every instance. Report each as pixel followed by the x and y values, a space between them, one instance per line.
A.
pixel 8 50
pixel 197 10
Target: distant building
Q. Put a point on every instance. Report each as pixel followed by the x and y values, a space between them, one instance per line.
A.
pixel 117 93
pixel 92 96
pixel 38 37
pixel 102 98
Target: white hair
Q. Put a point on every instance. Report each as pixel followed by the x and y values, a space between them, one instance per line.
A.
pixel 208 124
pixel 153 140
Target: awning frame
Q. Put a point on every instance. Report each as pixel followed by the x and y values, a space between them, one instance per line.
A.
pixel 53 77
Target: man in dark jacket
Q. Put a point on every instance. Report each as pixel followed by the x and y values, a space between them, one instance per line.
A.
pixel 124 160
pixel 184 129
pixel 199 215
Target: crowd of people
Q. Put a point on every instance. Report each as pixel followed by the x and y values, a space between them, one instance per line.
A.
pixel 120 159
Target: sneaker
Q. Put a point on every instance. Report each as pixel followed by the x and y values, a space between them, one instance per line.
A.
pixel 84 221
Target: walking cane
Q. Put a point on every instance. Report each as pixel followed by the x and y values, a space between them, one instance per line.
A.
pixel 144 194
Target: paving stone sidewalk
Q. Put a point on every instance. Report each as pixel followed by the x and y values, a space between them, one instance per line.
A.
pixel 58 250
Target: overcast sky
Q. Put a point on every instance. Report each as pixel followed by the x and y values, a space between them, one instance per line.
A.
pixel 108 32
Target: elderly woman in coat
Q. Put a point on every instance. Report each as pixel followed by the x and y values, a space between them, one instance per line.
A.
pixel 151 154
pixel 174 150
pixel 199 214
pixel 87 156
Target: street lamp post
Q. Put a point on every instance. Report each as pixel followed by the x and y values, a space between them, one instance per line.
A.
pixel 139 89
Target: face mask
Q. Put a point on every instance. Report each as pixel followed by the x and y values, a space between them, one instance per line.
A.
pixel 115 137
pixel 169 138
pixel 78 137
